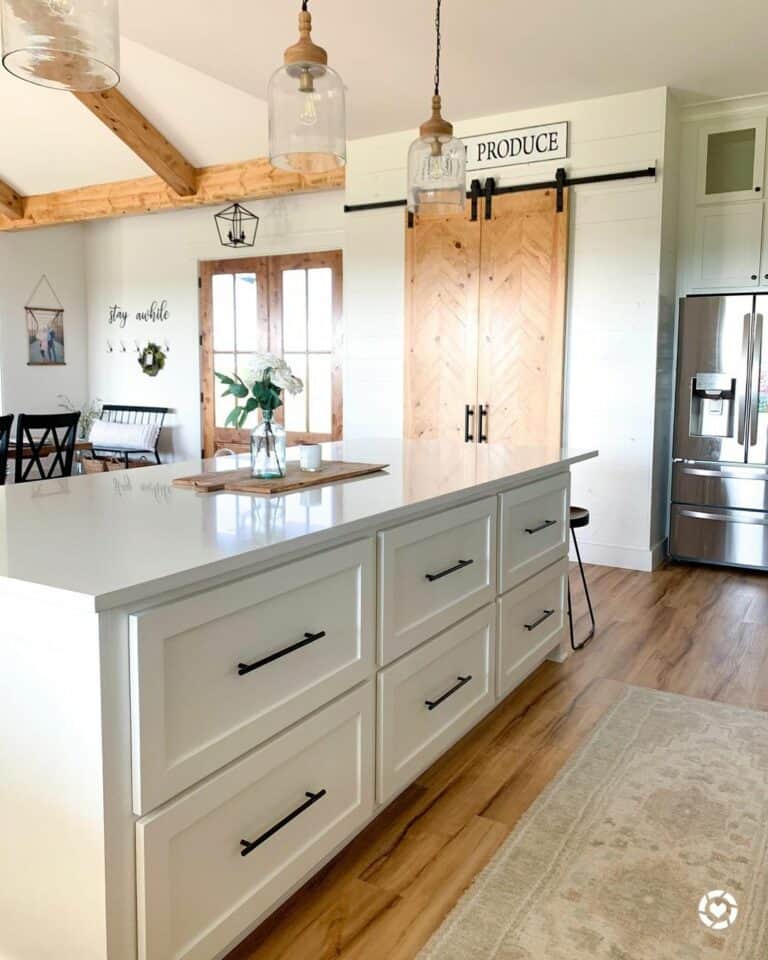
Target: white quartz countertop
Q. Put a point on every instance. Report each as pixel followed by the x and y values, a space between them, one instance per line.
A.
pixel 123 537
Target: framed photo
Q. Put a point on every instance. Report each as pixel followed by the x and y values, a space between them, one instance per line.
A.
pixel 45 329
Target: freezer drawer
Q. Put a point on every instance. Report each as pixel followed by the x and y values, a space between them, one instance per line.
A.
pixel 720 485
pixel 734 537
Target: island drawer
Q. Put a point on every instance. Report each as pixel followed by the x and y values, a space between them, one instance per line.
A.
pixel 430 698
pixel 292 801
pixel 531 624
pixel 534 529
pixel 433 572
pixel 216 674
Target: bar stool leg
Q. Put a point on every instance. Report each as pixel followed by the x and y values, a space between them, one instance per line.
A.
pixel 574 645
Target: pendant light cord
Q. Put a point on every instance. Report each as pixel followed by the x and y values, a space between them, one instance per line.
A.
pixel 437 49
pixel 304 4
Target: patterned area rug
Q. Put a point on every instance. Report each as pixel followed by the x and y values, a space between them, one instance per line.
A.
pixel 666 803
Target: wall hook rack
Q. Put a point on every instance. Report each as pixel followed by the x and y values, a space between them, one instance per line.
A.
pixel 110 348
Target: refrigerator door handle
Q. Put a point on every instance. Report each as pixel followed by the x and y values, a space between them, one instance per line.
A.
pixel 754 389
pixel 745 357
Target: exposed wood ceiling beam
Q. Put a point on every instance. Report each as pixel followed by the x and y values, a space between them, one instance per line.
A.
pixel 224 183
pixel 146 141
pixel 11 204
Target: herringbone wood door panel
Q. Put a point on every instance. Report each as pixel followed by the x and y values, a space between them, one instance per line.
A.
pixel 522 318
pixel 442 282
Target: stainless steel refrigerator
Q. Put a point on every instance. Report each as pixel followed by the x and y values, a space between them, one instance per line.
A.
pixel 719 510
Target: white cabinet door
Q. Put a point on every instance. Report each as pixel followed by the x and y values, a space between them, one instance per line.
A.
pixel 217 673
pixel 213 862
pixel 433 572
pixel 731 160
pixel 430 698
pixel 531 624
pixel 727 246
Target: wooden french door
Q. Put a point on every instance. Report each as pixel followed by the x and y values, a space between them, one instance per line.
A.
pixel 485 325
pixel 288 305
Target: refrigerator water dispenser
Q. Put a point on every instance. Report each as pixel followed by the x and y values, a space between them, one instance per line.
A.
pixel 712 405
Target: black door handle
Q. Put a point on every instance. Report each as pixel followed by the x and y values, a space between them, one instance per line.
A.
pixel 244 668
pixel 541 526
pixel 462 681
pixel 468 412
pixel 444 573
pixel 482 437
pixel 250 845
pixel 536 623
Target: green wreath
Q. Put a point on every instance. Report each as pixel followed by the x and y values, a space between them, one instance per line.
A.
pixel 152 360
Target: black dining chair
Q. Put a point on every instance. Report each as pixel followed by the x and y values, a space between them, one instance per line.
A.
pixel 41 438
pixel 579 517
pixel 5 436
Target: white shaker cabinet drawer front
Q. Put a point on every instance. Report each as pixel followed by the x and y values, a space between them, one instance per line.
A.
pixel 432 697
pixel 531 624
pixel 432 572
pixel 212 863
pixel 216 674
pixel 534 528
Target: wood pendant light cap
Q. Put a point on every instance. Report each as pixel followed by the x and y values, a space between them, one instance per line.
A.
pixel 436 126
pixel 305 51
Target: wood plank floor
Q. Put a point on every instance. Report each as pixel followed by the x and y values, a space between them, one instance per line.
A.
pixel 690 630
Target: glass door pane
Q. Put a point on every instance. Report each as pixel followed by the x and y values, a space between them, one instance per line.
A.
pixel 730 161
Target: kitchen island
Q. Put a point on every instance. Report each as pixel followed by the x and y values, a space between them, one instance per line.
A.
pixel 203 698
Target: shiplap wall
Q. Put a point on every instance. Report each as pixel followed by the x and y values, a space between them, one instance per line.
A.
pixel 613 305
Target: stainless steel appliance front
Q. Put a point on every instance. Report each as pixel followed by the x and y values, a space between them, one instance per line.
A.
pixel 720 472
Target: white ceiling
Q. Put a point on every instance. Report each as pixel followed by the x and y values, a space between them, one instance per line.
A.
pixel 199 70
pixel 499 55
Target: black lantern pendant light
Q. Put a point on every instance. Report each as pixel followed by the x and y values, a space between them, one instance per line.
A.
pixel 237 226
pixel 437 161
pixel 307 122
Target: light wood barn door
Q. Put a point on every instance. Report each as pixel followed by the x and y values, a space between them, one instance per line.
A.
pixel 442 282
pixel 522 318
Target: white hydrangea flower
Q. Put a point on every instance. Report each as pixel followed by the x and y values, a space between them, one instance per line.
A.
pixel 280 373
pixel 284 379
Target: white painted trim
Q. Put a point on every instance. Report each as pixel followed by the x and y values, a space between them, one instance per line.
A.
pixel 613 555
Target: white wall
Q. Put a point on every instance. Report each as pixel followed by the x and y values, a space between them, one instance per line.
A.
pixel 24 257
pixel 135 260
pixel 619 312
pixel 613 303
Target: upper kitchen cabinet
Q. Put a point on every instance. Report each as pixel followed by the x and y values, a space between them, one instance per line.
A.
pixel 726 248
pixel 731 160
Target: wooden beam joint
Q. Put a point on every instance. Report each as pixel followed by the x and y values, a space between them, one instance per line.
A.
pixel 132 127
pixel 11 203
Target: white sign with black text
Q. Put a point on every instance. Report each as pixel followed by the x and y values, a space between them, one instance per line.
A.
pixel 527 145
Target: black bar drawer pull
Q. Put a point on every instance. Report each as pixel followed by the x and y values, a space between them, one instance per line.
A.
pixel 244 668
pixel 542 526
pixel 462 681
pixel 444 573
pixel 537 623
pixel 250 845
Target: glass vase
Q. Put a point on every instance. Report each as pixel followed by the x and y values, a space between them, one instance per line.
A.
pixel 267 448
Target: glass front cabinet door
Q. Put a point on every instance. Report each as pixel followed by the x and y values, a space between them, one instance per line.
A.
pixel 732 160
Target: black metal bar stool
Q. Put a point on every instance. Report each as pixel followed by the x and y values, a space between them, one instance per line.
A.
pixel 579 518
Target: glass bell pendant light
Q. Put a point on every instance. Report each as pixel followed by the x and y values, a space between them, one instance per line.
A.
pixel 307 124
pixel 437 161
pixel 65 44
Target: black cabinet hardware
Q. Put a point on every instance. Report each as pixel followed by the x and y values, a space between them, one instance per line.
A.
pixel 482 437
pixel 444 573
pixel 244 668
pixel 468 412
pixel 757 189
pixel 250 845
pixel 462 681
pixel 541 526
pixel 753 277
pixel 536 623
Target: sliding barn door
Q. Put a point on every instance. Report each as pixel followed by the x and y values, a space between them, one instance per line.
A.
pixel 522 318
pixel 442 278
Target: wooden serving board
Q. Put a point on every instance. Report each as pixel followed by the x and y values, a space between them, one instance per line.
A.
pixel 241 481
